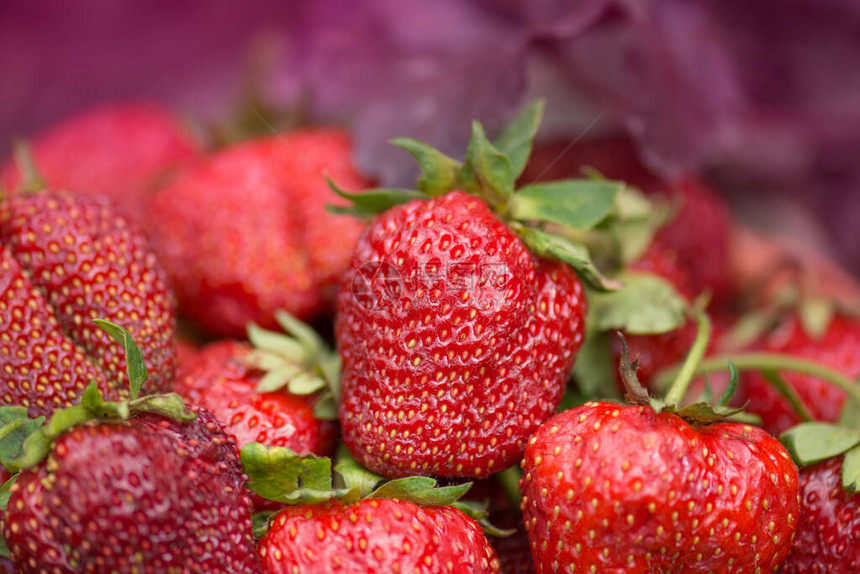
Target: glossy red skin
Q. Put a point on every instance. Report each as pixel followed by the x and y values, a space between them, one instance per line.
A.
pixel 119 151
pixel 828 533
pixel 87 262
pixel 150 493
pixel 609 487
pixel 246 232
pixel 454 375
pixel 32 374
pixel 837 349
pixel 219 380
pixel 375 536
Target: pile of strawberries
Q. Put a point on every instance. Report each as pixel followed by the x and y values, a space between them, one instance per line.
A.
pixel 247 358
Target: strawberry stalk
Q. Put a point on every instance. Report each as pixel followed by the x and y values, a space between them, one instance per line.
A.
pixel 693 361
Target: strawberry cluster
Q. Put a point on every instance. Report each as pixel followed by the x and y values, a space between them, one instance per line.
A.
pixel 504 372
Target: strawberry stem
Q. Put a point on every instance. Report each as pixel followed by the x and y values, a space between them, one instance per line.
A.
pixel 779 362
pixel 788 392
pixel 692 364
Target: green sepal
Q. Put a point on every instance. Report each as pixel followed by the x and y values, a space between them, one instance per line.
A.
pixel 135 365
pixel 574 203
pixel 357 480
pixel 261 523
pixel 439 172
pixel 31 179
pixel 850 416
pixel 421 490
pixel 646 304
pixel 92 400
pixel 280 474
pixel 478 512
pixel 325 406
pixel 812 442
pixel 168 405
pixel 516 138
pixel 634 221
pixel 38 444
pixel 372 202
pixel 703 412
pixel 4 492
pixel 576 255
pixel 487 172
pixel 851 470
pixel 734 378
pixel 16 427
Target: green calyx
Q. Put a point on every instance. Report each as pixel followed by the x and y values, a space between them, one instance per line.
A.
pixel 24 442
pixel 297 360
pixel 592 224
pixel 31 180
pixel 813 442
pixel 282 475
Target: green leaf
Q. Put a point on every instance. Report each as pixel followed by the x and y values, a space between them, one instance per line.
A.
pixel 38 444
pixel 421 490
pixel 31 179
pixel 809 443
pixel 439 172
pixel 14 432
pixel 93 401
pixel 646 304
pixel 575 203
pixel 280 474
pixel 374 201
pixel 260 522
pixel 4 492
pixel 702 412
pixel 634 221
pixel 487 172
pixel 477 511
pixel 595 367
pixel 276 343
pixel 574 254
pixel 850 416
pixel 851 470
pixel 516 139
pixel 325 407
pixel 134 362
pixel 170 405
pixel 356 479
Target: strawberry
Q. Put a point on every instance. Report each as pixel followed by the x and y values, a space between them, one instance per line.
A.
pixel 375 535
pixel 183 506
pixel 836 348
pixel 222 379
pixel 119 151
pixel 828 533
pixel 454 375
pixel 246 232
pixel 610 488
pixel 143 485
pixel 67 259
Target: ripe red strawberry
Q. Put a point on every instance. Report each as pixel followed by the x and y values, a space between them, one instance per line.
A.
pixel 610 488
pixel 837 349
pixel 470 354
pixel 828 533
pixel 246 232
pixel 221 379
pixel 375 536
pixel 145 495
pixel 119 151
pixel 66 260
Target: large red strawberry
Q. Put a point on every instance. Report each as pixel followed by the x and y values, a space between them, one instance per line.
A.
pixel 149 495
pixel 222 379
pixel 611 488
pixel 67 259
pixel 836 349
pixel 121 151
pixel 375 535
pixel 246 232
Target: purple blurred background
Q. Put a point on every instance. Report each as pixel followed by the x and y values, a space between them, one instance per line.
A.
pixel 761 98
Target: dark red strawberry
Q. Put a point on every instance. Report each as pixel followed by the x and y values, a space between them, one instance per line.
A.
pixel 828 533
pixel 610 488
pixel 451 374
pixel 514 551
pixel 145 495
pixel 246 232
pixel 375 535
pixel 66 260
pixel 837 349
pixel 118 151
pixel 222 379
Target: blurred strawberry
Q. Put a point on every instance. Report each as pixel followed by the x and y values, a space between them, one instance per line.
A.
pixel 246 231
pixel 121 151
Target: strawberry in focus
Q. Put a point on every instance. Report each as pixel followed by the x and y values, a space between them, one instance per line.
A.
pixel 375 535
pixel 627 489
pixel 245 231
pixel 118 151
pixel 67 259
